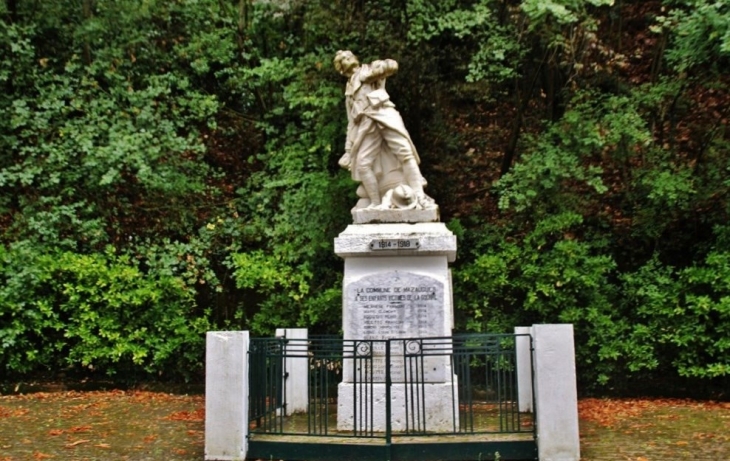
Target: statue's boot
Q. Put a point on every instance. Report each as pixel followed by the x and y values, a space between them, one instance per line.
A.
pixel 370 184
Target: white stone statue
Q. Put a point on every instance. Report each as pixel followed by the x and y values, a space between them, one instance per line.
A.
pixel 379 151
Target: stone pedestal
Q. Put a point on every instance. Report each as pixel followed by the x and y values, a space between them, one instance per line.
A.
pixel 397 282
pixel 368 215
pixel 397 285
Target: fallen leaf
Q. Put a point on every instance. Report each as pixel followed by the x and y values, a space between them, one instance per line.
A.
pixel 78 442
pixel 39 455
pixel 80 429
pixel 197 415
pixel 9 413
pixel 103 445
pixel 55 432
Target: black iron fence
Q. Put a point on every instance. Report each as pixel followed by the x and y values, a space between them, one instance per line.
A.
pixel 385 389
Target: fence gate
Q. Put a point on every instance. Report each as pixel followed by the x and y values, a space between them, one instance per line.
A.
pixel 419 399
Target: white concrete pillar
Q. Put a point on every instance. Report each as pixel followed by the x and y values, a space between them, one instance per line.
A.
pixel 296 369
pixel 226 395
pixel 523 358
pixel 556 394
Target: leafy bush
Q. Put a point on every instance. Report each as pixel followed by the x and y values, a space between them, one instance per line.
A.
pixel 550 275
pixel 682 316
pixel 65 310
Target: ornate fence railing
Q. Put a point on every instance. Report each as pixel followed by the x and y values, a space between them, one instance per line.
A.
pixel 397 391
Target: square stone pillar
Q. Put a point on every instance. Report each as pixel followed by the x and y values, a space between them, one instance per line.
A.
pixel 296 369
pixel 226 395
pixel 556 394
pixel 523 350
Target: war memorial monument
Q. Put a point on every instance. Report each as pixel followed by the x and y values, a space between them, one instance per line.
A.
pixel 397 304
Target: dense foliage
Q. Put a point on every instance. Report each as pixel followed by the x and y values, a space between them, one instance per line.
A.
pixel 170 167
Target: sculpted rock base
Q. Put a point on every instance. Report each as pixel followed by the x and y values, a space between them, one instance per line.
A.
pixel 374 216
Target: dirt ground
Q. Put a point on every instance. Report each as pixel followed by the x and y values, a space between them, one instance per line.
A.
pixel 141 425
pixel 654 429
pixel 112 425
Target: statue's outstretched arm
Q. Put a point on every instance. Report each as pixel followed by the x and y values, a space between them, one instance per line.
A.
pixel 379 69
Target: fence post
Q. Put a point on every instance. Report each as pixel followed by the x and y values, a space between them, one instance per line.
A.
pixel 523 346
pixel 226 395
pixel 296 369
pixel 556 395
